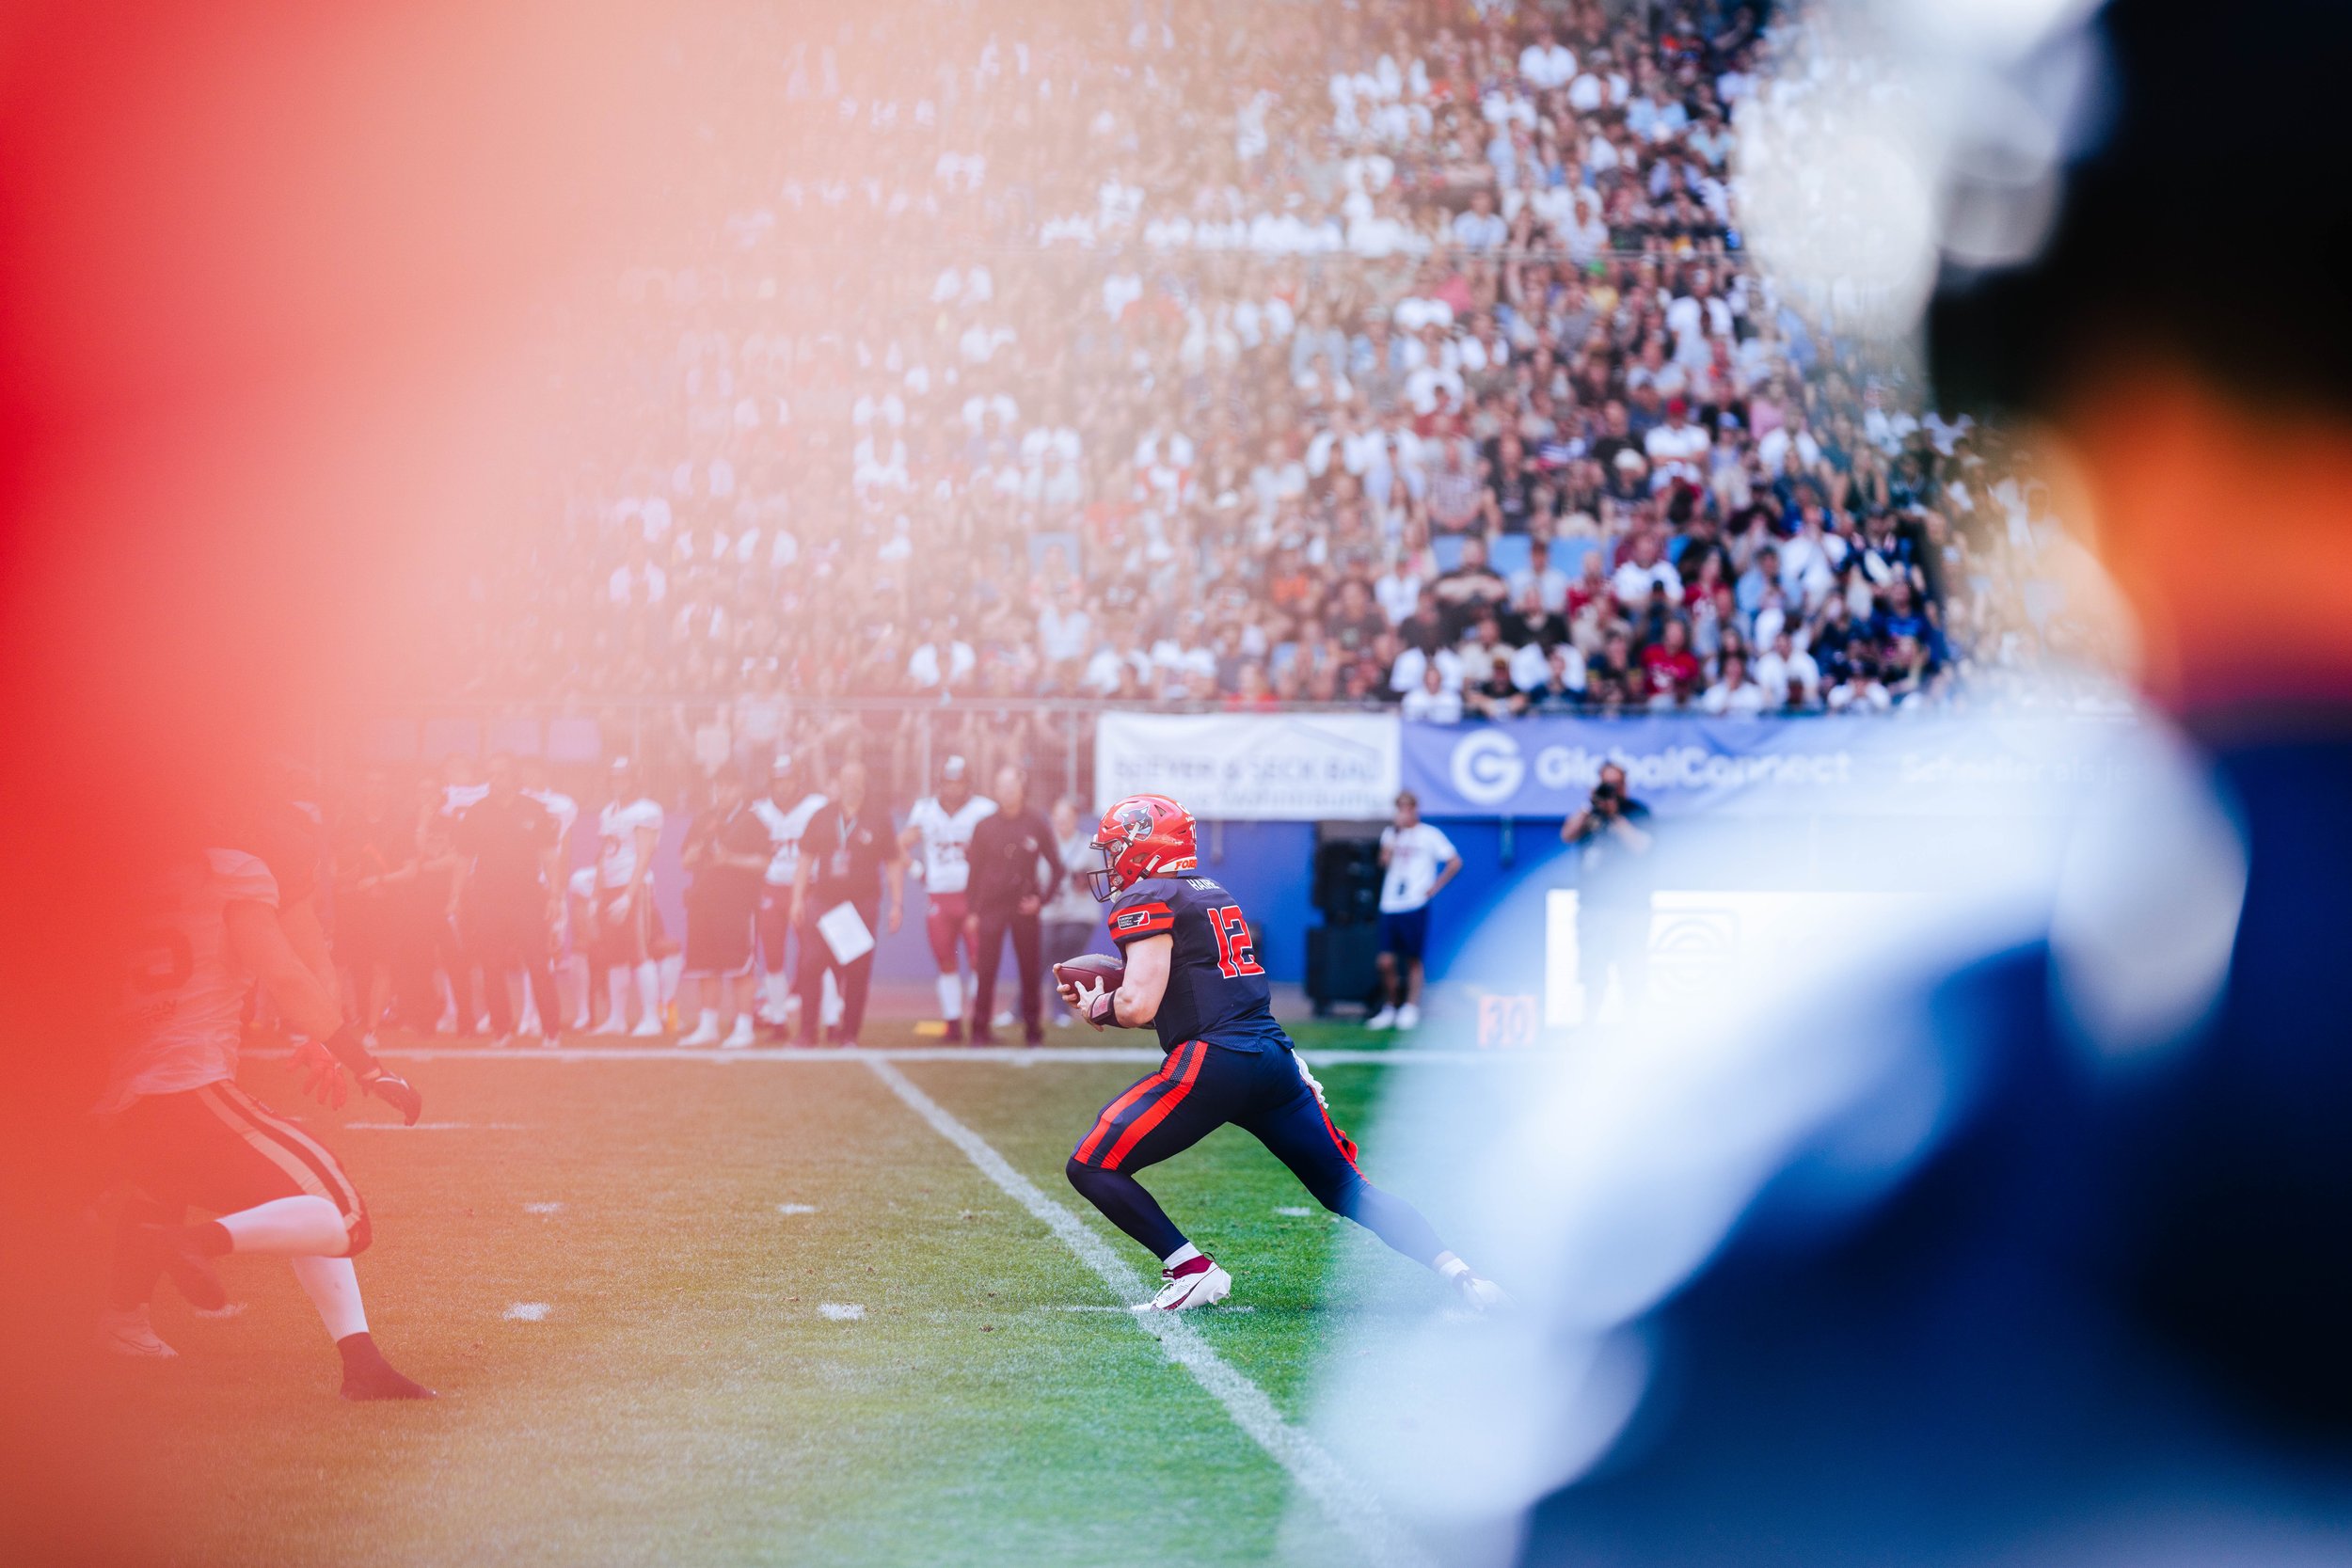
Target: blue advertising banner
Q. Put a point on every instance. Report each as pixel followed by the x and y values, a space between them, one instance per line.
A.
pixel 1875 765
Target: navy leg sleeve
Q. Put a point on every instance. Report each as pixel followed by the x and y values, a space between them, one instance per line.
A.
pixel 1126 1205
pixel 1302 1138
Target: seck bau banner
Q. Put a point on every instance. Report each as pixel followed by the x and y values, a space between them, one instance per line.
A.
pixel 1250 767
pixel 1955 766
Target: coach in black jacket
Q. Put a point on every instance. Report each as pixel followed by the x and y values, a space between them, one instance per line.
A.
pixel 1013 860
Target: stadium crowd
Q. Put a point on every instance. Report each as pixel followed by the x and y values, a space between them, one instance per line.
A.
pixel 1243 354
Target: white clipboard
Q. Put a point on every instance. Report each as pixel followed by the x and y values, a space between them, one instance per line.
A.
pixel 845 933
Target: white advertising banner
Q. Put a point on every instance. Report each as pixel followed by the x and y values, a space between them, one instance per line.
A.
pixel 1251 766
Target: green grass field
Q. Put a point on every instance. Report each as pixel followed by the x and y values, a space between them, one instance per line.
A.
pixel 618 1273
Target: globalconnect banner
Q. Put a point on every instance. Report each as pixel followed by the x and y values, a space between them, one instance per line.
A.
pixel 1543 767
pixel 1251 768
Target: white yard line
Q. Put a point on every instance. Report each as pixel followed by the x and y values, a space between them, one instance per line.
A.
pixel 1013 1056
pixel 1351 1507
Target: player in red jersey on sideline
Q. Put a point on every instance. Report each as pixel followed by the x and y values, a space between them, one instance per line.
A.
pixel 1192 974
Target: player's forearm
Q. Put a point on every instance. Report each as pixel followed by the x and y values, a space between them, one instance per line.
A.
pixel 304 1001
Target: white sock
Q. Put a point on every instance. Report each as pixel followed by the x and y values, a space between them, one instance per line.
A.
pixel 951 998
pixel 333 1286
pixel 829 1004
pixel 670 969
pixel 1450 1266
pixel 306 1225
pixel 709 1023
pixel 1184 1254
pixel 649 990
pixel 616 983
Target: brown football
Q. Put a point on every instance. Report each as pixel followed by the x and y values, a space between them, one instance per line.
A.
pixel 1087 968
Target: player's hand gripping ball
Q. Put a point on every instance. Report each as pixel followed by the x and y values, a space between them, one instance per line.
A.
pixel 1087 982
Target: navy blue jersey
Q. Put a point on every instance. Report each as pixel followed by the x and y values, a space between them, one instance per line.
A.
pixel 1217 990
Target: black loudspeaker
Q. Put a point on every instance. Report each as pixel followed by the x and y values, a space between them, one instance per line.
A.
pixel 1348 881
pixel 1342 965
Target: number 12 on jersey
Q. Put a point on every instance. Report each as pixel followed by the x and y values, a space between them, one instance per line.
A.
pixel 1235 955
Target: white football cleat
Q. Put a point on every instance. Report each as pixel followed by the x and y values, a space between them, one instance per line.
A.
pixel 742 1036
pixel 1384 1018
pixel 613 1025
pixel 129 1332
pixel 1483 1296
pixel 706 1034
pixel 1408 1016
pixel 647 1029
pixel 1195 1282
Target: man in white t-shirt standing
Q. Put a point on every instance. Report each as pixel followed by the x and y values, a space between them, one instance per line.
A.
pixel 627 924
pixel 942 824
pixel 1417 860
pixel 786 809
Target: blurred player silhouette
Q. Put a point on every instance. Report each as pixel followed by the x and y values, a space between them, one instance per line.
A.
pixel 1192 975
pixel 2089 1305
pixel 220 920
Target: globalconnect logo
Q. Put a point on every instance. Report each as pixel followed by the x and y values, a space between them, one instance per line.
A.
pixel 1487 768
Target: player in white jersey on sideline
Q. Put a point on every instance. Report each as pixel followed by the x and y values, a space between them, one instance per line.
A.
pixel 186 1135
pixel 628 830
pixel 786 809
pixel 566 811
pixel 942 825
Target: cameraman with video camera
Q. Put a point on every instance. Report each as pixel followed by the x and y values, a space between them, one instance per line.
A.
pixel 1613 837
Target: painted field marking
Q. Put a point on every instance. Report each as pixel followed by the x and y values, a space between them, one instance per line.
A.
pixel 796 1207
pixel 842 1312
pixel 1293 1211
pixel 543 1208
pixel 1002 1056
pixel 527 1312
pixel 1351 1506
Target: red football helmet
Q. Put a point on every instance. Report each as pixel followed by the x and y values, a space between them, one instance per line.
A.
pixel 1143 835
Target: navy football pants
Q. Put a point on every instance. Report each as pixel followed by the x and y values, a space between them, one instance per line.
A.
pixel 1200 1088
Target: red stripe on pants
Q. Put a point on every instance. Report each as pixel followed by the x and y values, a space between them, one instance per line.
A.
pixel 1158 1113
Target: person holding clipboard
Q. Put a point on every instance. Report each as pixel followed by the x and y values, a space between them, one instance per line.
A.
pixel 837 897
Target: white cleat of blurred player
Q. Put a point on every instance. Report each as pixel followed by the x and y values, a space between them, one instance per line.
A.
pixel 1480 1296
pixel 1195 1282
pixel 742 1036
pixel 1384 1018
pixel 1408 1016
pixel 648 1028
pixel 129 1332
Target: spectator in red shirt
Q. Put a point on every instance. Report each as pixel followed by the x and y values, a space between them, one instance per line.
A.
pixel 1671 667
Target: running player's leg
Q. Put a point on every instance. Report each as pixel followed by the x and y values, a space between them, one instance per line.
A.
pixel 1159 1116
pixel 281 1193
pixel 1299 1131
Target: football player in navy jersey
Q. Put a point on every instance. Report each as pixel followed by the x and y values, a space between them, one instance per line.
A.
pixel 1193 975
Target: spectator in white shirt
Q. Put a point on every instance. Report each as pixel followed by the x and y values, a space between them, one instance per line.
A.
pixel 1432 700
pixel 1479 227
pixel 1550 584
pixel 1547 64
pixel 639 583
pixel 1734 695
pixel 1677 447
pixel 1643 573
pixel 1789 674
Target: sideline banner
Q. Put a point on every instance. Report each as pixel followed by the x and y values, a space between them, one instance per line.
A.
pixel 1251 766
pixel 1865 766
